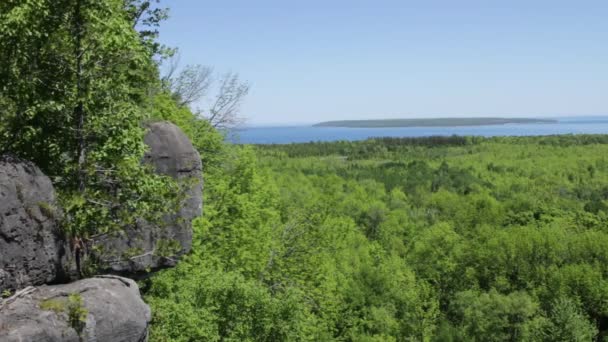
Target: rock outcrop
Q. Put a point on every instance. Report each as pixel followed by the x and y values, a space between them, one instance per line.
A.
pixel 93 310
pixel 30 238
pixel 33 252
pixel 148 247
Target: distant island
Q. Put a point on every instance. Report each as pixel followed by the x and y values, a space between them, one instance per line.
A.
pixel 431 122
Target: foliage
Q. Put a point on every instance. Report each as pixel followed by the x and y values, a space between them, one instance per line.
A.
pixel 76 77
pixel 167 247
pixel 73 307
pixel 389 239
pixel 195 85
pixel 469 239
pixel 568 323
pixel 77 313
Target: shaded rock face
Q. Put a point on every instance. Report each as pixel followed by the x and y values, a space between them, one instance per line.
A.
pixel 147 247
pixel 172 154
pixel 30 238
pixel 111 309
pixel 33 252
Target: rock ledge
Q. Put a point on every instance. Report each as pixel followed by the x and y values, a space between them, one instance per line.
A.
pixel 46 313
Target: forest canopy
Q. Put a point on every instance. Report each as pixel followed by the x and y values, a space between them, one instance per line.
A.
pixel 398 239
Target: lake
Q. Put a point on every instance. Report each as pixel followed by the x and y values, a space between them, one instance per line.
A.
pixel 299 134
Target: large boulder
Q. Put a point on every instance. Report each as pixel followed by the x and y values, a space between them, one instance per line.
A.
pixel 106 308
pixel 172 154
pixel 30 238
pixel 146 246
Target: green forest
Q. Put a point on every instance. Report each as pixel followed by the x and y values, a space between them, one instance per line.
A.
pixel 424 239
pixel 388 239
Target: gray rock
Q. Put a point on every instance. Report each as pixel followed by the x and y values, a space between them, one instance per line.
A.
pixel 30 238
pixel 111 310
pixel 148 247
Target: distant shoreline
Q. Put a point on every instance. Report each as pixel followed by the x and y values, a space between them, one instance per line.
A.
pixel 434 122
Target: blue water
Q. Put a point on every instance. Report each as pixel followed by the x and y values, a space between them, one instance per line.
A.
pixel 298 134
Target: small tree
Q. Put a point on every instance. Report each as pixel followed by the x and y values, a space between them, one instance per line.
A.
pixel 568 323
pixel 225 111
pixel 192 85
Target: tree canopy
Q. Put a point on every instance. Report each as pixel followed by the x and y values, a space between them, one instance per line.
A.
pixel 76 82
pixel 424 239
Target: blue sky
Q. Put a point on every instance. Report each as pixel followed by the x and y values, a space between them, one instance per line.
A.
pixel 310 61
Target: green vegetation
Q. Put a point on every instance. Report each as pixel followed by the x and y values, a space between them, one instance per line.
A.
pixel 77 313
pixel 72 306
pixel 132 252
pixel 167 247
pixel 430 239
pixel 77 79
pixel 439 122
pixel 53 304
pixel 47 209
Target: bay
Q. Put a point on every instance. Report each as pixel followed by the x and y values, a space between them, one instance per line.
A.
pixel 300 134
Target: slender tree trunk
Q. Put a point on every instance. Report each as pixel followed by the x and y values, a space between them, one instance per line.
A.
pixel 79 111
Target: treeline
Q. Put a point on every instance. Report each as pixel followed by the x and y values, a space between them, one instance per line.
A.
pixel 367 147
pixel 574 139
pixel 376 146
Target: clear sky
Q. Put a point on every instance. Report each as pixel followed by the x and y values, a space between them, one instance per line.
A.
pixel 317 60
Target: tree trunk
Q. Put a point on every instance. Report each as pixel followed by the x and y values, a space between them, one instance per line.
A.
pixel 79 111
